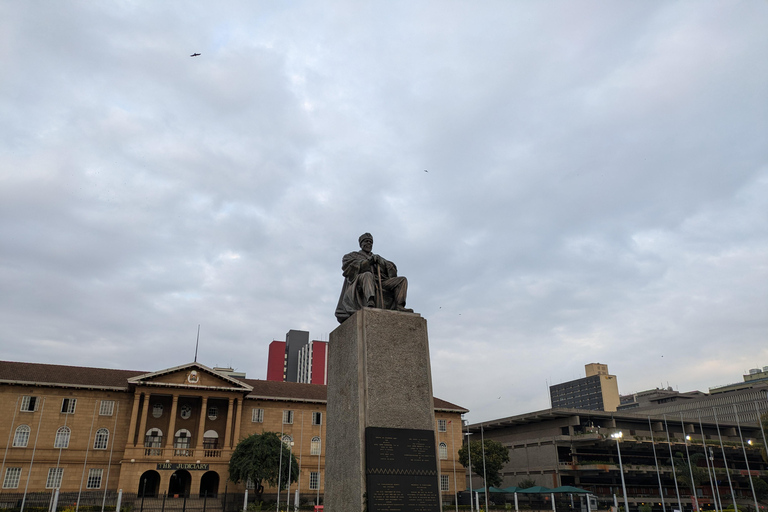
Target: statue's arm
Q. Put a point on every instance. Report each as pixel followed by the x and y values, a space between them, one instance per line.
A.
pixel 354 263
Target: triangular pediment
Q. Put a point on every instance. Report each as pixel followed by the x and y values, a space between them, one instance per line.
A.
pixel 190 375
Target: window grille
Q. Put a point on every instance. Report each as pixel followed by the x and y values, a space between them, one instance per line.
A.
pixel 101 440
pixel 441 425
pixel 106 407
pixel 445 483
pixel 54 478
pixel 314 480
pixel 62 437
pixel 257 416
pixel 288 417
pixel 317 418
pixel 12 477
pixel 443 449
pixel 94 479
pixel 315 446
pixel 29 403
pixel 68 405
pixel 21 437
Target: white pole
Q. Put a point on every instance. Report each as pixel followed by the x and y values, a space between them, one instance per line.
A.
pixel 119 500
pixel 245 500
pixel 290 466
pixel 280 465
pixel 746 461
pixel 469 457
pixel 82 476
pixel 553 502
pixel 589 505
pixel 706 459
pixel 55 503
pixel 109 466
pixel 298 480
pixel 672 461
pixel 725 461
pixel 455 483
pixel 320 435
pixel 616 503
pixel 34 449
pixel 485 480
pixel 621 470
pixel 690 468
pixel 10 435
pixel 517 508
pixel 656 461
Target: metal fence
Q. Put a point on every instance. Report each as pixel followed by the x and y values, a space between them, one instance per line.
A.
pixel 107 502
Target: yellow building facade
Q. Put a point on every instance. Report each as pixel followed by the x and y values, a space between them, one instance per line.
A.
pixel 170 431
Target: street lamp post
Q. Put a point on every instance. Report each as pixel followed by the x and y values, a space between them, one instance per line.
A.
pixel 618 435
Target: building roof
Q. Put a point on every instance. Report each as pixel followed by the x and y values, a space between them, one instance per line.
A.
pixel 53 375
pixel 37 374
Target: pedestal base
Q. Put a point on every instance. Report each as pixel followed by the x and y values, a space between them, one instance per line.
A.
pixel 380 395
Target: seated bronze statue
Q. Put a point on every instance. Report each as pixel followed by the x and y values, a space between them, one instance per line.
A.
pixel 370 281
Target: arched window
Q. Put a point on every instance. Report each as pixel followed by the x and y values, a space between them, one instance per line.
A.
pixel 182 442
pixel 21 437
pixel 315 446
pixel 153 438
pixel 443 450
pixel 62 437
pixel 210 440
pixel 157 410
pixel 288 440
pixel 101 440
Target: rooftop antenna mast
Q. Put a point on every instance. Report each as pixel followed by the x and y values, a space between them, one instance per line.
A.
pixel 197 343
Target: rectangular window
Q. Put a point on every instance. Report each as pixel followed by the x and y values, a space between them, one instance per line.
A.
pixel 107 408
pixel 314 480
pixel 441 425
pixel 317 418
pixel 445 483
pixel 12 477
pixel 28 404
pixel 287 417
pixel 68 405
pixel 257 416
pixel 54 478
pixel 94 479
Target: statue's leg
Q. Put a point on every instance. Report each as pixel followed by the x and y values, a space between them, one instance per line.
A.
pixel 367 284
pixel 398 287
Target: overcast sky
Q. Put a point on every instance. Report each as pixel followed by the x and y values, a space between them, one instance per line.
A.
pixel 561 182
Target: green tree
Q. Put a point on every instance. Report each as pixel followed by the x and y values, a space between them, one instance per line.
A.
pixel 683 473
pixel 258 458
pixel 761 487
pixel 526 483
pixel 496 455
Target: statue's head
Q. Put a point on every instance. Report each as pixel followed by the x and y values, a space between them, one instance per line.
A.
pixel 367 239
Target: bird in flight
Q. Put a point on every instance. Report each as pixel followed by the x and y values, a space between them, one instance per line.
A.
pixel 194 55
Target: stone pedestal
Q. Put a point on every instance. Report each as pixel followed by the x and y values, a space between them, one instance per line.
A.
pixel 380 393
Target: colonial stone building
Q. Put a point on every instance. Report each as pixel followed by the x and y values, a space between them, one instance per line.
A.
pixel 173 430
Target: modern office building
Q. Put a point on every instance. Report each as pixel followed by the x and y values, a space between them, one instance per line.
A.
pixel 568 447
pixel 170 431
pixel 297 359
pixel 598 391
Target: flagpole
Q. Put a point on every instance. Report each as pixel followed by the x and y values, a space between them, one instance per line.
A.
pixel 455 484
pixel 658 474
pixel 672 462
pixel 725 461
